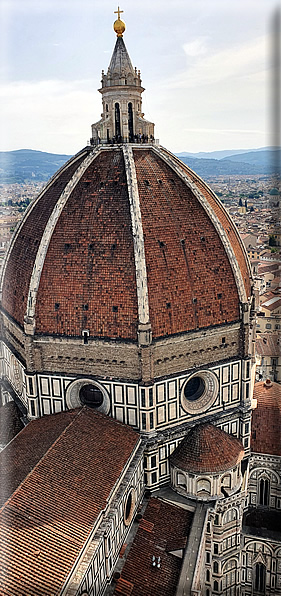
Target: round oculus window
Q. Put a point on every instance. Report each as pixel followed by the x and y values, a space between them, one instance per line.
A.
pixel 85 392
pixel 129 507
pixel 194 388
pixel 91 396
pixel 199 392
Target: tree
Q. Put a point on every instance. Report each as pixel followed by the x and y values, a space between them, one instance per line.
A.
pixel 272 241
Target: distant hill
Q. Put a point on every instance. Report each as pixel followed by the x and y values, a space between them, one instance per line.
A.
pixel 224 153
pixel 24 165
pixel 262 161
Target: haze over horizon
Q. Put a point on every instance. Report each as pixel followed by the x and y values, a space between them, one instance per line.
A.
pixel 210 76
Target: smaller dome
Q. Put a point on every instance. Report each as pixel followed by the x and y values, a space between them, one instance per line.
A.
pixel 207 448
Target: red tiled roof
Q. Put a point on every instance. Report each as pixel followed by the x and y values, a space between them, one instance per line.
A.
pixel 25 451
pixel 46 521
pixel 266 419
pixel 187 265
pixel 207 448
pixel 171 524
pixel 90 262
pixel 229 228
pixel 20 263
pixel 96 271
pixel 268 344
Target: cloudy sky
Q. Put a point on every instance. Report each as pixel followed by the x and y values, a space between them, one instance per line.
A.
pixel 208 68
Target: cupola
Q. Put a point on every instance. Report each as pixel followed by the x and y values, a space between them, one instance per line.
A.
pixel 122 118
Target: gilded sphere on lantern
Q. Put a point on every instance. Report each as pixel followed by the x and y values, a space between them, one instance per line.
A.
pixel 119 27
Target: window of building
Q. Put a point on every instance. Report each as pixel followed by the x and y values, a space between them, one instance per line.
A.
pixel 215 567
pixel 268 326
pixel 150 397
pixel 208 575
pixel 32 408
pixel 154 477
pixel 215 549
pixel 91 396
pixel 263 491
pixel 181 480
pixel 259 578
pixel 194 388
pixel 143 401
pixel 30 385
pixel 85 335
pixel 216 520
pixel 129 507
pixel 215 586
pixel 153 461
pixel 208 557
pixel 143 421
pixel 203 486
pixel 151 420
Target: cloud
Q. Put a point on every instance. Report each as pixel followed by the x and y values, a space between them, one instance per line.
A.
pixel 53 115
pixel 236 62
pixel 197 47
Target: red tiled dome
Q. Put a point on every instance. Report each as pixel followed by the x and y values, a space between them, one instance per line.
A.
pixel 207 448
pixel 78 239
pixel 266 418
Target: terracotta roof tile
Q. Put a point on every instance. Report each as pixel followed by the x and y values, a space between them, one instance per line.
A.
pixel 20 264
pixel 230 229
pixel 46 521
pixel 266 419
pixel 90 262
pixel 190 279
pixel 169 523
pixel 207 448
pixel 123 587
pixel 268 344
pixel 25 451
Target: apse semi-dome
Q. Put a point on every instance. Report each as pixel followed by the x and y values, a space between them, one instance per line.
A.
pixel 125 235
pixel 207 448
pixel 206 464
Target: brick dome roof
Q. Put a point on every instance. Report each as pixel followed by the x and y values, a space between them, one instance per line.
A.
pixel 207 449
pixel 124 234
pixel 266 418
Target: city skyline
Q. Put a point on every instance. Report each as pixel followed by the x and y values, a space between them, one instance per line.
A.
pixel 208 71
